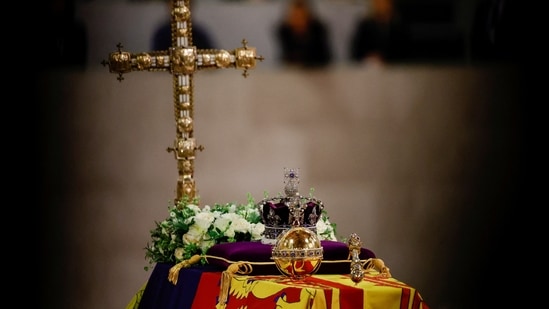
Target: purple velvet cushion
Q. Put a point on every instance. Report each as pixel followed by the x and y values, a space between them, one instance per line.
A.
pixel 255 251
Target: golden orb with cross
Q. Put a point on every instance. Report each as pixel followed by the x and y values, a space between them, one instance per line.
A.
pixel 182 60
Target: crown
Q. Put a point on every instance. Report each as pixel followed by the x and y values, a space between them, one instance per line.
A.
pixel 280 213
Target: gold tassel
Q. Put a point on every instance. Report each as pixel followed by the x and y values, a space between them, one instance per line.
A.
pixel 174 271
pixel 241 268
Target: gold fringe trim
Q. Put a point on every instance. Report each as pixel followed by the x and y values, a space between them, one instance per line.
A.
pixel 173 275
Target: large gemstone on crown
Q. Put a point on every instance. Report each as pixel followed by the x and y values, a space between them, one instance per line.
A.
pixel 276 215
pixel 298 252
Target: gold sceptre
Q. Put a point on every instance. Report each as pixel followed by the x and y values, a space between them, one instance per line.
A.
pixel 355 246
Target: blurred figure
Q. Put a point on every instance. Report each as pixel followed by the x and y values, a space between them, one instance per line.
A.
pixel 498 32
pixel 378 36
pixel 162 37
pixel 65 38
pixel 303 37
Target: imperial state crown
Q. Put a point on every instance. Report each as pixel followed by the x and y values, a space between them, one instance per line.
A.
pixel 282 212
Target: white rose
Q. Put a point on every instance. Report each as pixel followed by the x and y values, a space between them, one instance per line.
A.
pixel 178 253
pixel 257 230
pixel 206 244
pixel 229 232
pixel 222 223
pixel 216 214
pixel 240 225
pixel 194 208
pixel 194 235
pixel 203 220
pixel 321 227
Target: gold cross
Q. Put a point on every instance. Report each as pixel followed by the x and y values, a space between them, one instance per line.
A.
pixel 182 60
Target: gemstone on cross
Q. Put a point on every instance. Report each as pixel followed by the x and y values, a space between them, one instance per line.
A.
pixel 182 60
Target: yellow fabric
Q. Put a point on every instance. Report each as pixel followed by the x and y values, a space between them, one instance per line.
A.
pixel 374 292
pixel 324 291
pixel 134 302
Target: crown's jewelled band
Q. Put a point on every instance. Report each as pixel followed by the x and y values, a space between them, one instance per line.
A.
pixel 272 232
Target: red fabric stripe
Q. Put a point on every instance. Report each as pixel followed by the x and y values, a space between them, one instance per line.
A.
pixel 418 302
pixel 208 290
pixel 404 298
pixel 291 295
pixel 406 292
pixel 385 281
pixel 349 296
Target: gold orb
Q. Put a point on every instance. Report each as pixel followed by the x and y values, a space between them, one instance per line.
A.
pixel 297 252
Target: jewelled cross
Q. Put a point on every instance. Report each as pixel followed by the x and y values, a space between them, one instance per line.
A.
pixel 182 60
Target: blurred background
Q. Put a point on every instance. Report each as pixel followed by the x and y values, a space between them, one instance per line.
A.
pixel 421 143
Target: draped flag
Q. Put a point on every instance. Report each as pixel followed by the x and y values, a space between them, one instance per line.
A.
pixel 199 289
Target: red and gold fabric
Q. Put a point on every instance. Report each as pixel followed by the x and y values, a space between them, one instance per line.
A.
pixel 200 289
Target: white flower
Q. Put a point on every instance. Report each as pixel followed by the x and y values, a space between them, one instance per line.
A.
pixel 321 226
pixel 229 232
pixel 194 235
pixel 207 244
pixel 325 229
pixel 222 223
pixel 240 225
pixel 191 230
pixel 178 253
pixel 203 220
pixel 257 229
pixel 194 208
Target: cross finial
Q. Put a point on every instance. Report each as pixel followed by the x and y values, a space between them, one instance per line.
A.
pixel 182 60
pixel 120 61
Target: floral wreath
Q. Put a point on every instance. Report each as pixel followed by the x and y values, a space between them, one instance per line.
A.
pixel 191 230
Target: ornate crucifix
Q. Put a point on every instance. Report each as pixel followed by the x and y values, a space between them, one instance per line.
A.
pixel 182 60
